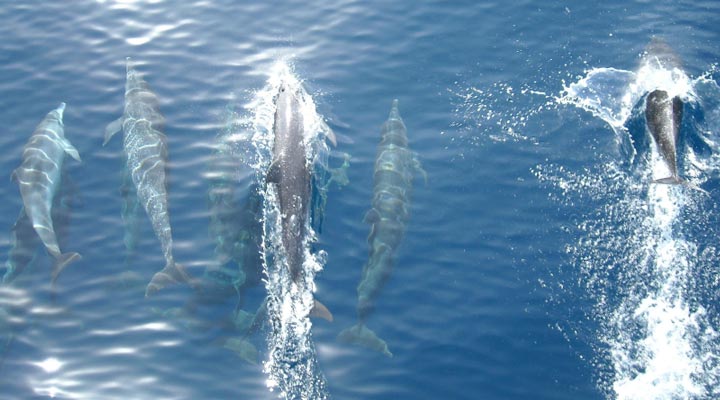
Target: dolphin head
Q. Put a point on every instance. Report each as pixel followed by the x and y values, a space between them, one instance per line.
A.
pixel 129 65
pixel 660 55
pixel 58 113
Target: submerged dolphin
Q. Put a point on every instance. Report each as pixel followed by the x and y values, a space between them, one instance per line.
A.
pixel 39 177
pixel 395 167
pixel 146 155
pixel 663 116
pixel 291 175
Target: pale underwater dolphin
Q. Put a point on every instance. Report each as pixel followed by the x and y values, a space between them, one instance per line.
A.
pixel 291 174
pixel 663 117
pixel 146 154
pixel 39 177
pixel 395 168
pixel 24 241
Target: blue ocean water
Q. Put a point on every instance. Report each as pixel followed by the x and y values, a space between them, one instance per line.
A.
pixel 538 260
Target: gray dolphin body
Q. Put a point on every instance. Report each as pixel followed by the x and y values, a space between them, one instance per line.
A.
pixel 663 117
pixel 39 177
pixel 290 173
pixel 146 156
pixel 395 167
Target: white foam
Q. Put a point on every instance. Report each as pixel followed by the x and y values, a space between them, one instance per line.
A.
pixel 661 342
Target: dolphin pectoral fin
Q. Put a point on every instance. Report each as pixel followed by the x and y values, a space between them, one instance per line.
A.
pixel 419 169
pixel 694 187
pixel 361 335
pixel 61 262
pixel 171 274
pixel 71 150
pixel 112 128
pixel 13 176
pixel 320 311
pixel 371 217
pixel 329 133
pixel 273 175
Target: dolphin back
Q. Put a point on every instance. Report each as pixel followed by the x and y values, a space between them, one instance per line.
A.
pixel 290 173
pixel 145 150
pixel 663 116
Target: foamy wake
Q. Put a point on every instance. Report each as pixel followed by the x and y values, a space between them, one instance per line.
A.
pixel 637 259
pixel 664 351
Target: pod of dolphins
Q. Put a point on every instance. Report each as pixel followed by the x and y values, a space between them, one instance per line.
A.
pixel 236 225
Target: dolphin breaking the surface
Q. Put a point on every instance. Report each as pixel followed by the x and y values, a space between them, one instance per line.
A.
pixel 663 117
pixel 146 156
pixel 291 174
pixel 39 177
pixel 663 111
pixel 395 167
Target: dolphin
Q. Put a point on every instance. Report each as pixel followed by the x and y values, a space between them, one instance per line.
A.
pixel 663 117
pixel 395 168
pixel 291 174
pixel 39 177
pixel 146 156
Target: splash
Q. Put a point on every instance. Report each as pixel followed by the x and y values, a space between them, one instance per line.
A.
pixel 641 249
pixel 292 367
pixel 478 108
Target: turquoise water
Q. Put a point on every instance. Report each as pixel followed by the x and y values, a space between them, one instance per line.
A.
pixel 538 261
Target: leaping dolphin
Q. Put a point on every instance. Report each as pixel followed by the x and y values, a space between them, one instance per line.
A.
pixel 39 177
pixel 146 154
pixel 290 173
pixel 663 116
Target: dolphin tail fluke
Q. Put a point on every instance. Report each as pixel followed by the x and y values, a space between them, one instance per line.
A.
pixel 172 274
pixel 674 180
pixel 362 335
pixel 243 348
pixel 62 262
pixel 694 187
pixel 320 311
pixel 670 180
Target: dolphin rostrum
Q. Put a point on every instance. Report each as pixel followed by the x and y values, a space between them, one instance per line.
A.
pixel 146 155
pixel 291 174
pixel 663 116
pixel 39 177
pixel 395 167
